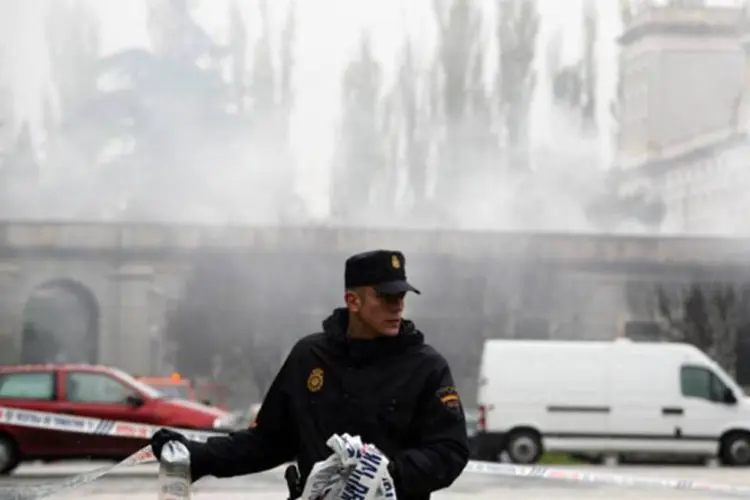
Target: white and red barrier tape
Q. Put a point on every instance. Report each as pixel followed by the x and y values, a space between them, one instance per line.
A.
pixel 170 480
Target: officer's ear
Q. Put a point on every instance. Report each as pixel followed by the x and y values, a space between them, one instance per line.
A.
pixel 353 299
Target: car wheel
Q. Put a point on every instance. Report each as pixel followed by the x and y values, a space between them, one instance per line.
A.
pixel 735 449
pixel 524 447
pixel 9 455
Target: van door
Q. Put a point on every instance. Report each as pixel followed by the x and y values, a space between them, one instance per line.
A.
pixel 645 392
pixel 705 414
pixel 576 403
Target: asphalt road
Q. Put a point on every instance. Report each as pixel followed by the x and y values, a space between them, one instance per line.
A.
pixel 139 483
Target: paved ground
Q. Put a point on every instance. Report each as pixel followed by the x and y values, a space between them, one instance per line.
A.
pixel 140 484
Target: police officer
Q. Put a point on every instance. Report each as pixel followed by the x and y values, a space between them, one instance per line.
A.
pixel 369 373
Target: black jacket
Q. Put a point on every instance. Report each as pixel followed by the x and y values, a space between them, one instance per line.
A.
pixel 394 392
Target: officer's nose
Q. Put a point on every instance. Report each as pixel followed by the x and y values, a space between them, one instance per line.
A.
pixel 395 302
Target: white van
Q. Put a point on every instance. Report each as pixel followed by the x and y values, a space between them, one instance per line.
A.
pixel 608 398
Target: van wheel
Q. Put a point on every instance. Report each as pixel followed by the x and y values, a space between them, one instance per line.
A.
pixel 9 455
pixel 735 449
pixel 524 447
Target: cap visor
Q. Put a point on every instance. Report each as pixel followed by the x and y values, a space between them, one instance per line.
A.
pixel 394 287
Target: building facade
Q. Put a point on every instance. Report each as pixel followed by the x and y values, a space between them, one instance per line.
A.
pixel 683 115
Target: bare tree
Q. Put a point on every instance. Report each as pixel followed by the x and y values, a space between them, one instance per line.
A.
pixel 516 34
pixel 7 137
pixel 690 323
pixel 574 85
pixel 590 63
pixel 459 27
pixel 74 49
pixel 272 98
pixel 726 323
pixel 238 53
pixel 707 316
pixel 20 176
pixel 413 124
pixel 7 121
pixel 286 67
pixel 263 75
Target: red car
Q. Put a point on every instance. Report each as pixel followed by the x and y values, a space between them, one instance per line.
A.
pixel 87 391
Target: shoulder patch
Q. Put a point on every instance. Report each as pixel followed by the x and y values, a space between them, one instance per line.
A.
pixel 449 397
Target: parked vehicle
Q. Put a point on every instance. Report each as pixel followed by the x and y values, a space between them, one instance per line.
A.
pixel 174 386
pixel 602 398
pixel 87 391
pixel 177 386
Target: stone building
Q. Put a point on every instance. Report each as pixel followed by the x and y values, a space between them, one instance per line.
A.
pixel 685 93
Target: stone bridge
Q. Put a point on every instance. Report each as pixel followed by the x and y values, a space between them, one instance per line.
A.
pixel 126 274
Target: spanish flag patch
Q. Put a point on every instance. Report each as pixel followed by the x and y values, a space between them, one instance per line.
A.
pixel 449 397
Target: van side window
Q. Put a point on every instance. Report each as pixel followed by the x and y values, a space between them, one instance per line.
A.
pixel 698 382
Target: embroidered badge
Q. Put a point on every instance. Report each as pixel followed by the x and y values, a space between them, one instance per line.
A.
pixel 315 380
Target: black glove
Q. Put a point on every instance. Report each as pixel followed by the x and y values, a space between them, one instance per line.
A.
pixel 162 437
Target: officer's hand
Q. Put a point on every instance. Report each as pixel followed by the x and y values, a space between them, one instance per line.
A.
pixel 162 437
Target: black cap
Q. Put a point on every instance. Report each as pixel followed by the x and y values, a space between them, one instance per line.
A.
pixel 383 270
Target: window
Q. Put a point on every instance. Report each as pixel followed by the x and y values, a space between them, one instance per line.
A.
pixel 28 385
pixel 142 387
pixel 696 382
pixel 85 387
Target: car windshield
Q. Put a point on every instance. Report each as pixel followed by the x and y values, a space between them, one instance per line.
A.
pixel 138 385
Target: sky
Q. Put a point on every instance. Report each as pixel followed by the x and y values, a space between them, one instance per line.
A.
pixel 327 37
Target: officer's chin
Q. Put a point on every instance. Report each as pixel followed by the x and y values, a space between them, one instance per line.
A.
pixel 391 328
pixel 389 333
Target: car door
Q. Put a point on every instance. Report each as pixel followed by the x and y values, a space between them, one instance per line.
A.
pixel 705 414
pixel 37 391
pixel 103 396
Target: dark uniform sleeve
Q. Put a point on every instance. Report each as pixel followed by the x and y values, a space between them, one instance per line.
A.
pixel 443 449
pixel 272 442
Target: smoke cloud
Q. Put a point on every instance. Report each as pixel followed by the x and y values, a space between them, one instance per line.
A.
pixel 192 125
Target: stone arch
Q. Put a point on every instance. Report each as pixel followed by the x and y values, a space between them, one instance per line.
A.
pixel 61 323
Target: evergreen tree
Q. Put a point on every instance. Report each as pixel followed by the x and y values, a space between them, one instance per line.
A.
pixel 7 136
pixel 360 156
pixel 516 34
pixel 411 123
pixel 459 27
pixel 574 85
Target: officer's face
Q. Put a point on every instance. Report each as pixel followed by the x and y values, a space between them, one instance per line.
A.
pixel 381 312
